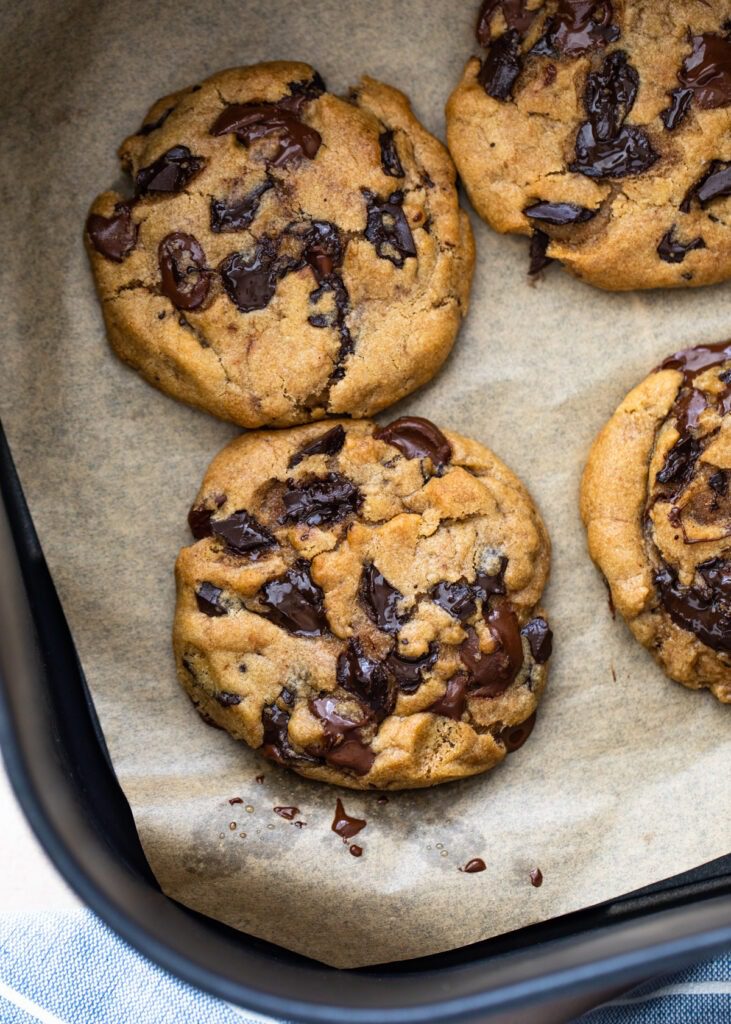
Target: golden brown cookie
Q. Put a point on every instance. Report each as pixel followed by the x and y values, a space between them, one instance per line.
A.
pixel 657 507
pixel 601 129
pixel 360 603
pixel 288 253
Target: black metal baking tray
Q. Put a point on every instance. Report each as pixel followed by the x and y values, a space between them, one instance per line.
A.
pixel 58 764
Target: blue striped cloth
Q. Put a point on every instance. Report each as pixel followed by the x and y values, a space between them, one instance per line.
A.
pixel 69 968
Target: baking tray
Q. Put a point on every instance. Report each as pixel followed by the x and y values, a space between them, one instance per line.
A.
pixel 58 764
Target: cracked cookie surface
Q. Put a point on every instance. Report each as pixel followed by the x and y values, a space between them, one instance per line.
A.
pixel 656 503
pixel 288 254
pixel 361 603
pixel 601 129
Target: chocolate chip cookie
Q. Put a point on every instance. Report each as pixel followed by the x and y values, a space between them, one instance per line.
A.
pixel 657 506
pixel 287 254
pixel 600 129
pixel 360 602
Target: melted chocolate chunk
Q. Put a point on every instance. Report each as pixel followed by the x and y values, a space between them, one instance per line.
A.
pixel 237 214
pixel 714 184
pixel 718 482
pixel 679 107
pixel 577 27
pixel 275 743
pixel 150 126
pixel 680 462
pixel 417 438
pixel 199 517
pixel 513 11
pixel 559 214
pixel 295 602
pixel 486 585
pixel 452 702
pixel 605 146
pixel 502 66
pixel 513 737
pixel 344 746
pixel 457 599
pixel 288 813
pixel 171 172
pixel 706 71
pixel 184 276
pixel 309 88
pixel 329 443
pixel 491 674
pixel 671 250
pixel 408 673
pixel 323 249
pixel 381 600
pixel 320 501
pixel 242 533
pixel 252 121
pixel 389 155
pixel 540 639
pixel 367 679
pixel 538 259
pixel 355 850
pixel 250 280
pixel 716 573
pixel 387 228
pixel 473 866
pixel 207 598
pixel 344 825
pixel 227 699
pixel 692 361
pixel 703 611
pixel 114 237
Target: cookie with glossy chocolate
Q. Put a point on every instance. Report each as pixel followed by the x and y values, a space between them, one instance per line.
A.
pixel 656 503
pixel 599 128
pixel 287 253
pixel 360 603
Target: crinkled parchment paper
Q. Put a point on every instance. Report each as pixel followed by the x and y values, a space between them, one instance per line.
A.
pixel 625 775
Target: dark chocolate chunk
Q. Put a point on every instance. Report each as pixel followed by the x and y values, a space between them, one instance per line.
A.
pixel 706 71
pixel 252 121
pixel 671 250
pixel 381 600
pixel 491 674
pixel 559 214
pixel 692 361
pixel 355 850
pixel 714 184
pixel 199 521
pixel 540 639
pixel 309 88
pixel 184 275
pixel 227 699
pixel 458 599
pixel 473 866
pixel 605 146
pixel 242 533
pixel 538 259
pixel 679 107
pixel 716 573
pixel 295 602
pixel 680 462
pixel 417 438
pixel 578 27
pixel 486 585
pixel 452 702
pixel 207 598
pixel 323 249
pixel 320 501
pixel 514 12
pixel 344 825
pixel 250 279
pixel 514 736
pixel 114 237
pixel 389 155
pixel 408 673
pixel 329 443
pixel 237 214
pixel 150 126
pixel 718 482
pixel 366 678
pixel 502 66
pixel 275 743
pixel 536 878
pixel 171 172
pixel 703 611
pixel 387 228
pixel 344 746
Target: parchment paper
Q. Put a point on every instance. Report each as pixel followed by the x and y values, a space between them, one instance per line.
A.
pixel 625 779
